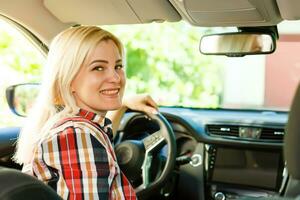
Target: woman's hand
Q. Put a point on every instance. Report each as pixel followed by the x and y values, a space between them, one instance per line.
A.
pixel 141 102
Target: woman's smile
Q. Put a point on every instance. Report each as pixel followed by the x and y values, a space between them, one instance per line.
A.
pixel 112 92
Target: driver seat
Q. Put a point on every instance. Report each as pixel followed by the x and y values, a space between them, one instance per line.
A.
pixel 292 147
pixel 15 185
pixel 291 153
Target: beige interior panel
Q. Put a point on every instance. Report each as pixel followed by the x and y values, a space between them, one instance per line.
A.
pixel 112 11
pixel 229 12
pixel 227 5
pixel 289 9
pixel 228 17
pixel 99 11
pixel 157 10
pixel 33 16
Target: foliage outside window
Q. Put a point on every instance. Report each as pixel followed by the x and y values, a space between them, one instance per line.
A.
pixel 20 62
pixel 162 60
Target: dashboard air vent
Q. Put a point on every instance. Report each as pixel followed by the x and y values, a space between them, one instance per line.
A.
pixel 246 132
pixel 272 134
pixel 223 130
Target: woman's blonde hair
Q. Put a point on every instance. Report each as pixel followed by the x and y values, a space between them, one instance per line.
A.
pixel 67 53
pixel 238 43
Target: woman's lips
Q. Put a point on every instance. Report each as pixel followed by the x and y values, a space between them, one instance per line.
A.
pixel 110 92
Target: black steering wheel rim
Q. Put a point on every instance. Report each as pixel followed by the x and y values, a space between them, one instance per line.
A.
pixel 164 134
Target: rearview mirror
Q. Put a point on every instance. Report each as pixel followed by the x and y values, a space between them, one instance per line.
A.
pixel 237 44
pixel 21 97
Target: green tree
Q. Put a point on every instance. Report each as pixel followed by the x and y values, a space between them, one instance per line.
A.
pixel 164 61
pixel 20 62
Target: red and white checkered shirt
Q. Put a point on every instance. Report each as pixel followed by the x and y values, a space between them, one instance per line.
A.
pixel 78 161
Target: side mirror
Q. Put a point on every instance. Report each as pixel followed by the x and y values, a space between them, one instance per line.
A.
pixel 237 44
pixel 21 97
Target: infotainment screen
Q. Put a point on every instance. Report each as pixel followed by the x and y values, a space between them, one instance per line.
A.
pixel 248 167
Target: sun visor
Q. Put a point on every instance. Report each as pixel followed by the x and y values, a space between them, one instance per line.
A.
pixel 104 12
pixel 229 12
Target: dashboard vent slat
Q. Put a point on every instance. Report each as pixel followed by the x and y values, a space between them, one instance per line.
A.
pixel 223 130
pixel 272 134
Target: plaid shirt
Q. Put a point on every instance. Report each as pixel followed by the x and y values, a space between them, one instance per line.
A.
pixel 78 161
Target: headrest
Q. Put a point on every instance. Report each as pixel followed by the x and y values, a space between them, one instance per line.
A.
pixel 292 138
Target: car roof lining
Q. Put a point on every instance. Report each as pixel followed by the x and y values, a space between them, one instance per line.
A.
pixel 46 18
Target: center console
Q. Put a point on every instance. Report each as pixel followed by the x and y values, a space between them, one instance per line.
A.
pixel 232 173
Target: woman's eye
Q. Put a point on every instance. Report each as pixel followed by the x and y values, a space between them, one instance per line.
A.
pixel 119 67
pixel 98 68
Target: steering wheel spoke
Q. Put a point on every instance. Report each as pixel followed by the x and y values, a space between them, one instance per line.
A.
pixel 153 141
pixel 146 170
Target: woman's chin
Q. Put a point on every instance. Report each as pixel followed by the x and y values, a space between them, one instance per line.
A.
pixel 113 107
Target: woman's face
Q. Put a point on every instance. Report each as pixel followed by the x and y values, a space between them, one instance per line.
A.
pixel 99 84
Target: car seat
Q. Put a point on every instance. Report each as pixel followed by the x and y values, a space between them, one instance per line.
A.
pixel 15 185
pixel 292 147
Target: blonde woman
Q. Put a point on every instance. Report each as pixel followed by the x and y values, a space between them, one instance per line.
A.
pixel 66 141
pixel 240 43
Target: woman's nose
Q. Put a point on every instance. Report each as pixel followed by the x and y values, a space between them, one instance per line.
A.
pixel 114 76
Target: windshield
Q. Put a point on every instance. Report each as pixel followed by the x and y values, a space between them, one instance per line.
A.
pixel 164 61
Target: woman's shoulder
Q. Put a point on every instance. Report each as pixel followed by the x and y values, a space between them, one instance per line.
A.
pixel 74 122
pixel 68 125
pixel 74 126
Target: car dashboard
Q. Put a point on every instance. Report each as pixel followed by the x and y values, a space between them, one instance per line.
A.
pixel 221 153
pixel 233 153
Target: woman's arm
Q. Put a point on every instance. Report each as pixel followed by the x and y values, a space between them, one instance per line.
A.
pixel 77 163
pixel 141 102
pixel 73 163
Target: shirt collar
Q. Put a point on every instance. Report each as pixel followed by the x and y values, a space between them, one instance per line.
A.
pixel 103 122
pixel 96 118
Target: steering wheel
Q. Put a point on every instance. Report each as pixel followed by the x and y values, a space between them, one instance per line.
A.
pixel 135 156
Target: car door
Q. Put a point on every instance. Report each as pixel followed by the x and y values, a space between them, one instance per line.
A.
pixel 20 61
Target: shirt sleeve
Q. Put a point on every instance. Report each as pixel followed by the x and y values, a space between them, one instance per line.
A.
pixel 80 162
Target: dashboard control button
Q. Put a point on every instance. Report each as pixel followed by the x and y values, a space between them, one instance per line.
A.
pixel 219 196
pixel 196 160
